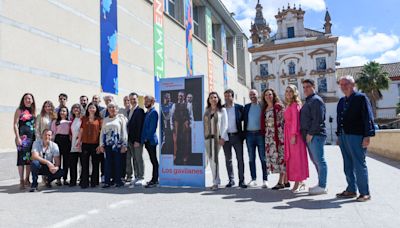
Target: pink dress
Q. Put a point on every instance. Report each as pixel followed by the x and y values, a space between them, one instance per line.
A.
pixel 295 154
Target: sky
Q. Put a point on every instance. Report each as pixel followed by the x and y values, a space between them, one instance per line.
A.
pixel 367 29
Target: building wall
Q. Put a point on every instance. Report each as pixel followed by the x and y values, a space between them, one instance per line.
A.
pixel 387 106
pixel 53 46
pixel 307 64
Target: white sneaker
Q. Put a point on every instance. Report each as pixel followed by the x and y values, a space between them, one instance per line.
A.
pixel 265 184
pixel 132 184
pixel 317 191
pixel 139 182
pixel 252 183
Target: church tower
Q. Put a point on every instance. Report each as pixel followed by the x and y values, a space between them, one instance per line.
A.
pixel 260 29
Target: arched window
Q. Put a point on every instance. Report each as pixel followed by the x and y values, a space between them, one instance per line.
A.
pixel 292 68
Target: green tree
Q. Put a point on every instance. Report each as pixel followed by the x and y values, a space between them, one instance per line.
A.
pixel 371 80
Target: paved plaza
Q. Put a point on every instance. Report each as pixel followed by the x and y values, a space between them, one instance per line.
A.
pixel 186 207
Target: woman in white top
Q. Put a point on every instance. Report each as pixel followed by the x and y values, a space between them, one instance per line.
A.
pixel 76 148
pixel 44 119
pixel 215 133
pixel 113 141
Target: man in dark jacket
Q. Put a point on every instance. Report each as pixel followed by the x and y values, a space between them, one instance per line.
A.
pixel 355 123
pixel 313 130
pixel 135 147
pixel 235 134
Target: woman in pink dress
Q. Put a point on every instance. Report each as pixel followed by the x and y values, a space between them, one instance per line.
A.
pixel 295 149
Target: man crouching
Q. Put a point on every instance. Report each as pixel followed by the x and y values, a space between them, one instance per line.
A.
pixel 45 160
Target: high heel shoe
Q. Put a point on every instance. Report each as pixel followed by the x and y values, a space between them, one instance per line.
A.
pixel 27 183
pixel 300 187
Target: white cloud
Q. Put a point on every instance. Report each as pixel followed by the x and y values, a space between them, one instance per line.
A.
pixel 245 10
pixel 366 42
pixel 353 61
pixel 389 56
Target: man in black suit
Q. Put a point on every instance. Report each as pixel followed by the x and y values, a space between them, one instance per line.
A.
pixel 235 134
pixel 135 147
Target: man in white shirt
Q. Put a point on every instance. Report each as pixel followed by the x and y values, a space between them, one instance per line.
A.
pixel 45 160
pixel 236 136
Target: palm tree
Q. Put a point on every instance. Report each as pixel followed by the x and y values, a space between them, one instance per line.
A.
pixel 371 80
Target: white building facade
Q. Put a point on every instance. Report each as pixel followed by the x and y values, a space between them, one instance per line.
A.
pixel 51 47
pixel 386 107
pixel 292 54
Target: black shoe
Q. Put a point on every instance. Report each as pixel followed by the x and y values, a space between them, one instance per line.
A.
pixel 105 186
pixel 278 186
pixel 230 184
pixel 58 182
pixel 92 185
pixel 120 185
pixel 287 185
pixel 72 184
pixel 83 186
pixel 242 185
pixel 34 189
pixel 151 184
pixel 65 182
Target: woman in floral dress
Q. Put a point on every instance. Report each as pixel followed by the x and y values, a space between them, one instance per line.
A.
pixel 272 126
pixel 24 130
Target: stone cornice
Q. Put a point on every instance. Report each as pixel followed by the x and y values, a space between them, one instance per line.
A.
pixel 274 47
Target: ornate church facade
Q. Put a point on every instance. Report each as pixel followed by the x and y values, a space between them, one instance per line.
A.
pixel 294 53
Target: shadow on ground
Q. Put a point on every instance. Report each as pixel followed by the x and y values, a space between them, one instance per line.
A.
pixel 258 195
pixel 314 204
pixel 393 163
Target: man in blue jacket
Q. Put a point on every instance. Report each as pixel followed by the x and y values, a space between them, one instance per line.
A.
pixel 149 137
pixel 355 123
pixel 235 134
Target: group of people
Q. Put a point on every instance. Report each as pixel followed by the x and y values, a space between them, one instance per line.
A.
pixel 280 131
pixel 177 119
pixel 283 132
pixel 103 140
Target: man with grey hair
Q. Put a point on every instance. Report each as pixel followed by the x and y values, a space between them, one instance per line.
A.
pixel 107 100
pixel 96 100
pixel 355 123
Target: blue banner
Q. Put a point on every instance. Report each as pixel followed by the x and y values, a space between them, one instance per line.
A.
pixel 224 56
pixel 109 46
pixel 182 157
pixel 189 37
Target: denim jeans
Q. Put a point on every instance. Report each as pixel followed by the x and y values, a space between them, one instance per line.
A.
pixel 354 164
pixel 255 140
pixel 316 151
pixel 40 169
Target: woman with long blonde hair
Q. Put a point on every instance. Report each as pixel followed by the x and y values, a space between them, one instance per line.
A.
pixel 295 148
pixel 44 119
